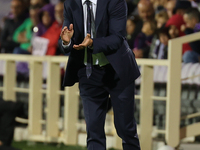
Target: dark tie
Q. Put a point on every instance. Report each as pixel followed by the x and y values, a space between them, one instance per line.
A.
pixel 89 53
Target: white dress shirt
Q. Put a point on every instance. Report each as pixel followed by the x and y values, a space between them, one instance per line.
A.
pixel 99 58
pixel 93 7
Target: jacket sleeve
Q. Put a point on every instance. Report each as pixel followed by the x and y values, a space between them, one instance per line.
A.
pixel 117 11
pixel 67 21
pixel 20 29
pixel 194 45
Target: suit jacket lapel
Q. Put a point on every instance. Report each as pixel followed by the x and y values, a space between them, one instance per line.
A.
pixel 78 13
pixel 101 6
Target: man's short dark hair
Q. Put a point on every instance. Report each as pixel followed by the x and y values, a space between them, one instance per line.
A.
pixel 193 13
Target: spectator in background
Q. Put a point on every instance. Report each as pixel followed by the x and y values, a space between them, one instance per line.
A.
pixel 170 5
pixel 144 39
pixel 162 51
pixel 174 24
pixel 23 34
pixel 130 29
pixel 38 4
pixel 26 4
pixel 55 30
pixel 146 12
pixel 181 6
pixel 46 17
pixel 161 19
pixel 11 24
pixel 191 18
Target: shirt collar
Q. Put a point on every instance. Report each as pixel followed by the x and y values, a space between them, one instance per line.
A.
pixel 93 1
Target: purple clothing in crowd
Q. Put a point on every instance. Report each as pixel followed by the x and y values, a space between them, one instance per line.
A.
pixel 41 27
pixel 142 41
pixel 197 27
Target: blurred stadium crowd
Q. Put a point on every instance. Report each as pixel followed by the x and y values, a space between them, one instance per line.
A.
pixel 28 20
pixel 152 23
pixel 32 27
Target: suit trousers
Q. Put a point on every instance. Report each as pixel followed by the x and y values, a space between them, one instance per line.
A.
pixel 95 93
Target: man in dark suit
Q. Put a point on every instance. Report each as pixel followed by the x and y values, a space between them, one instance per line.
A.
pixel 11 24
pixel 103 64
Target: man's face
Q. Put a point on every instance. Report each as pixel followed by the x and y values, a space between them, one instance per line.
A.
pixel 169 7
pixel 189 22
pixel 145 11
pixel 59 12
pixel 16 8
pixel 173 32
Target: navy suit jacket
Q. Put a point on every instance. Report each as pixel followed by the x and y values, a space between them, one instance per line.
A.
pixel 110 25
